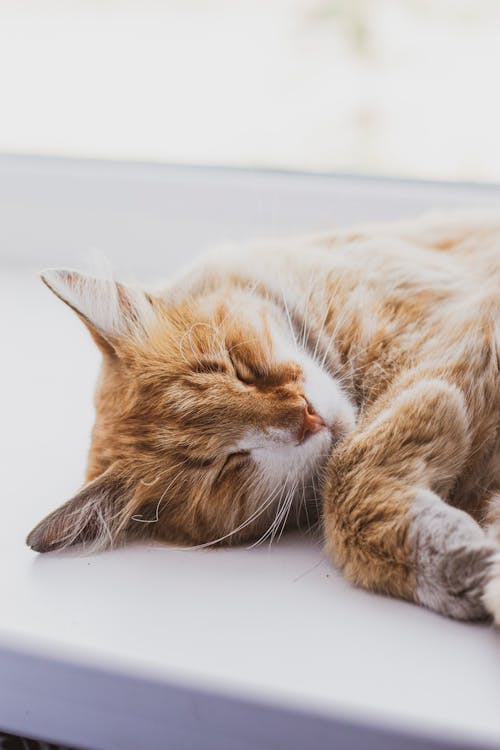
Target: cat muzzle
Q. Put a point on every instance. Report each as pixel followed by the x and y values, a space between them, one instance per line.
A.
pixel 312 423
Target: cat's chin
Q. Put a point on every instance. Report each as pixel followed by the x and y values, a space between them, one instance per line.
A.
pixel 321 447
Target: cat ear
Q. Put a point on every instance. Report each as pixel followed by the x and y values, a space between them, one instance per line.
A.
pixel 91 519
pixel 110 310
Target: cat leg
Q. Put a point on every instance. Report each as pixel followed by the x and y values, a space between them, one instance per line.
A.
pixel 385 524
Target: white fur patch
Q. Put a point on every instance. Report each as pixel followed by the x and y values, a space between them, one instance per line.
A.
pixel 281 461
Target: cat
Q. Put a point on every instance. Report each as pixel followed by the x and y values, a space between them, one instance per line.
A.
pixel 357 369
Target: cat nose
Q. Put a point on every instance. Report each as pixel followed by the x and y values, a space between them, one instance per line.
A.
pixel 312 422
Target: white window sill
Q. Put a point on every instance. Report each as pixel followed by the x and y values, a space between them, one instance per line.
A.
pixel 155 648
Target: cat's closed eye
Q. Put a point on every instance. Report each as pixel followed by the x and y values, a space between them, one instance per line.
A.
pixel 210 366
pixel 233 462
pixel 244 372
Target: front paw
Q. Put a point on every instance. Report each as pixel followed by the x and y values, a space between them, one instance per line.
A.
pixel 491 596
pixel 462 585
pixel 457 567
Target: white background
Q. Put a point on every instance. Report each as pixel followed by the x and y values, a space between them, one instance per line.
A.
pixel 397 87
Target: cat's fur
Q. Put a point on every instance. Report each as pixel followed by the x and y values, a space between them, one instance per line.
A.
pixel 358 368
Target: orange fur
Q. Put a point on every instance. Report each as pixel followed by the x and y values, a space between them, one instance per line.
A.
pixel 402 322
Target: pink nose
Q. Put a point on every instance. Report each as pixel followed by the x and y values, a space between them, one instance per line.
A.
pixel 312 422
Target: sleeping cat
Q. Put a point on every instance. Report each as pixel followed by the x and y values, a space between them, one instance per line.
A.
pixel 356 371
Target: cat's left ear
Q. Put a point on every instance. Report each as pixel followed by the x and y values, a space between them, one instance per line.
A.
pixel 91 519
pixel 109 309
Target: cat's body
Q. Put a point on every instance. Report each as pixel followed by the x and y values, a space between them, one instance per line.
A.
pixel 360 367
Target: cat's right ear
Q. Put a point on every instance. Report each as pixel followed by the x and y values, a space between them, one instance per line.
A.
pixel 110 310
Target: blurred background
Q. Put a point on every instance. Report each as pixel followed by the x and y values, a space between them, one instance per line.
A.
pixel 404 88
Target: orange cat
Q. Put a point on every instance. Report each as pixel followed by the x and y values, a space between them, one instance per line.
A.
pixel 359 369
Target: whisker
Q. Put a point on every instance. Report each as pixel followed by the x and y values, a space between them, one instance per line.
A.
pixel 306 310
pixel 242 343
pixel 271 526
pixel 138 517
pixel 245 523
pixel 282 516
pixel 287 311
pixel 288 509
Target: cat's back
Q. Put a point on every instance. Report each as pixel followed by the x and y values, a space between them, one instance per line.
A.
pixel 442 261
pixel 470 239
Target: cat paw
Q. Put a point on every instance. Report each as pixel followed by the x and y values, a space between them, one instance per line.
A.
pixel 491 595
pixel 457 566
pixel 464 586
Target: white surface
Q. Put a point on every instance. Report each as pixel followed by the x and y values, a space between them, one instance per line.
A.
pixel 273 625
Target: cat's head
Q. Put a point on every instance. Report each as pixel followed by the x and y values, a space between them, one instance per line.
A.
pixel 211 420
